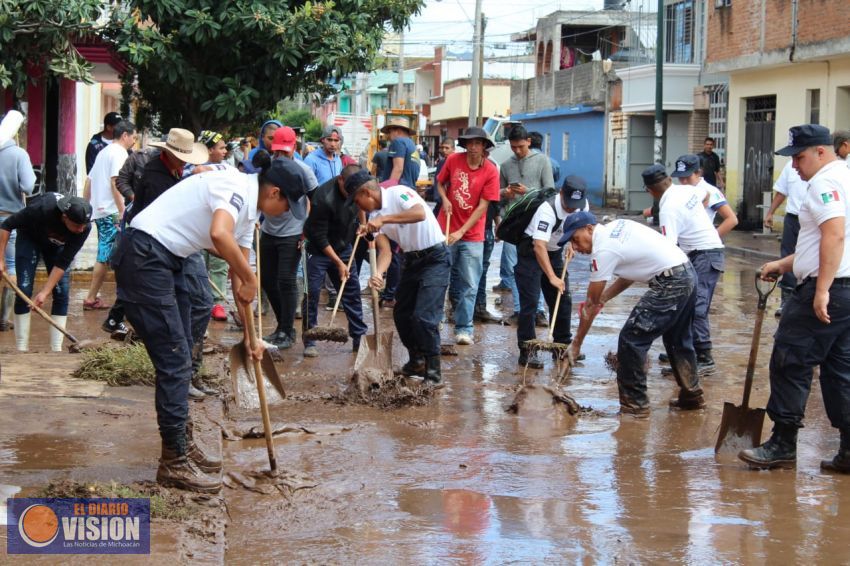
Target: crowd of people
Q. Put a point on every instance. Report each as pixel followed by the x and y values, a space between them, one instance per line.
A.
pixel 180 218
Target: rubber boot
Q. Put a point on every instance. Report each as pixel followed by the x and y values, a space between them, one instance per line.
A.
pixel 841 462
pixel 206 463
pixel 56 337
pixel 780 451
pixel 432 370
pixel 414 366
pixel 22 332
pixel 531 360
pixel 7 301
pixel 176 469
pixel 705 361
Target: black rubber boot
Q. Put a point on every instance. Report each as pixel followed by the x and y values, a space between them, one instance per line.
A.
pixel 414 366
pixel 481 314
pixel 841 462
pixel 705 361
pixel 432 372
pixel 531 360
pixel 780 451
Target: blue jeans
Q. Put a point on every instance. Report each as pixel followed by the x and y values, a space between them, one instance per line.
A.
pixel 27 254
pixel 467 263
pixel 708 264
pixel 201 303
pixel 10 253
pixel 419 300
pixel 489 242
pixel 317 266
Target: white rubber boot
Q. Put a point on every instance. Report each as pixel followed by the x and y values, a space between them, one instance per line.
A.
pixel 22 332
pixel 57 337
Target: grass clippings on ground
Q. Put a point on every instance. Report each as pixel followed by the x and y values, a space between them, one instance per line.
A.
pixel 117 365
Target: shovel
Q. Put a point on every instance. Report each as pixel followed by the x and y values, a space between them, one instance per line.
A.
pixel 75 346
pixel 376 352
pixel 261 386
pixel 740 427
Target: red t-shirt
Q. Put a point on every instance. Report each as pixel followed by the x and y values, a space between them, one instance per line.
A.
pixel 466 188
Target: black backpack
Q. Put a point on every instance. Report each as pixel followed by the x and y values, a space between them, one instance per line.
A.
pixel 520 212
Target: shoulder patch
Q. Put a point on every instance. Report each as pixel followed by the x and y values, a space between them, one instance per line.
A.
pixel 830 196
pixel 237 201
pixel 542 226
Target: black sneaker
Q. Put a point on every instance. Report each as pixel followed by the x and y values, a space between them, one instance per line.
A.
pixel 111 325
pixel 705 362
pixel 531 360
pixel 540 320
pixel 355 344
pixel 331 302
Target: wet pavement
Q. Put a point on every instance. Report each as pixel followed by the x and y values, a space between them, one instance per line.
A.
pixel 462 480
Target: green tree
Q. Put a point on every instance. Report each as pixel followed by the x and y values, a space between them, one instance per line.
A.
pixel 296 118
pixel 216 64
pixel 38 34
pixel 313 129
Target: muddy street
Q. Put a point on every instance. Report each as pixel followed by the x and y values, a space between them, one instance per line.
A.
pixel 460 479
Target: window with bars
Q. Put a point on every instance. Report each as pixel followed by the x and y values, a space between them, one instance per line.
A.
pixel 679 32
pixel 813 104
pixel 717 114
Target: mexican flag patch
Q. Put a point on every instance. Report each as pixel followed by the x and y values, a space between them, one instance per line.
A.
pixel 404 197
pixel 831 196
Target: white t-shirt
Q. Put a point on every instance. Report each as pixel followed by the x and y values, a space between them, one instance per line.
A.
pixel 793 187
pixel 107 165
pixel 826 198
pixel 716 198
pixel 180 218
pixel 540 227
pixel 628 249
pixel 411 237
pixel 683 221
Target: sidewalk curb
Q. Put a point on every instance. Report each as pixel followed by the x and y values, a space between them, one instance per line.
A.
pixel 749 253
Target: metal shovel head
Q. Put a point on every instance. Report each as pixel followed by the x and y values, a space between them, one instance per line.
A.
pixel 376 352
pixel 740 428
pixel 243 380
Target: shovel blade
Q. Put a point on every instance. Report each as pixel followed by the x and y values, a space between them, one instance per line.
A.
pixel 376 352
pixel 740 428
pixel 244 382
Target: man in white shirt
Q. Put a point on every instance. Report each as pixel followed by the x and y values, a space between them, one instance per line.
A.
pixel 815 326
pixel 633 252
pixel 789 186
pixel 399 214
pixel 107 203
pixel 683 223
pixel 841 144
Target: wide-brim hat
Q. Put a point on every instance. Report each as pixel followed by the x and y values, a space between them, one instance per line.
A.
pixel 181 144
pixel 475 133
pixel 398 122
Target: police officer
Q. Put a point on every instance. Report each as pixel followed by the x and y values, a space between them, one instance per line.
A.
pixel 217 211
pixel 695 235
pixel 634 252
pixel 814 329
pixel 398 213
pixel 540 259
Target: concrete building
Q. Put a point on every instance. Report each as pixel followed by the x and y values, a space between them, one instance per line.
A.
pixel 788 63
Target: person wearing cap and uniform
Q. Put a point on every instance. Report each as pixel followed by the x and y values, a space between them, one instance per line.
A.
pixel 53 228
pixel 634 252
pixel 791 189
pixel 101 139
pixel 400 214
pixel 326 163
pixel 330 231
pixel 814 329
pixel 696 236
pixel 216 210
pixel 468 183
pixel 540 259
pixel 715 203
pixel 403 160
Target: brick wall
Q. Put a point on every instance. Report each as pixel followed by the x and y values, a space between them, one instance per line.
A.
pixel 697 130
pixel 821 20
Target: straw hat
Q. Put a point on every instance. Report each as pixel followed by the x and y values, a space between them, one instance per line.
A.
pixel 181 144
pixel 398 122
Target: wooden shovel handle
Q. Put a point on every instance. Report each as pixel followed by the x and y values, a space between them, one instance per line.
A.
pixel 342 283
pixel 38 311
pixel 373 267
pixel 261 387
pixel 567 260
pixel 259 284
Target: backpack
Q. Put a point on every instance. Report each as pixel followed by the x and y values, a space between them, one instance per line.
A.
pixel 519 213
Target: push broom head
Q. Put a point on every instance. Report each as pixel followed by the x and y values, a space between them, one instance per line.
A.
pixel 327 334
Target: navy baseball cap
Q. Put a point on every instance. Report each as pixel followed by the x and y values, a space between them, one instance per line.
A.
pixel 574 191
pixel 574 222
pixel 354 182
pixel 653 174
pixel 686 166
pixel 803 137
pixel 78 210
pixel 287 175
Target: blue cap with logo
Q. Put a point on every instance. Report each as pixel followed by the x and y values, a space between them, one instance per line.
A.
pixel 803 137
pixel 686 166
pixel 575 222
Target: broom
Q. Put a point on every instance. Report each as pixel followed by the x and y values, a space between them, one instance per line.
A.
pixel 550 345
pixel 330 333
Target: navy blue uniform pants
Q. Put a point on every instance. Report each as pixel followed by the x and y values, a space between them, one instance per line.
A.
pixel 708 264
pixel 530 280
pixel 27 254
pixel 419 299
pixel 279 268
pixel 393 273
pixel 152 286
pixel 201 303
pixel 788 245
pixel 802 342
pixel 319 265
pixel 665 310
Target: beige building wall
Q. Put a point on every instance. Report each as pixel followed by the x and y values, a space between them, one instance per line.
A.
pixel 455 101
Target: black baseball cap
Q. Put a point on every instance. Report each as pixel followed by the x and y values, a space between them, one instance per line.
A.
pixel 574 190
pixel 354 182
pixel 288 176
pixel 112 118
pixel 686 166
pixel 653 174
pixel 78 210
pixel 805 136
pixel 574 222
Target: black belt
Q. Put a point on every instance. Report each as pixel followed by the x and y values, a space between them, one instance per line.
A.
pixel 837 282
pixel 676 270
pixel 427 251
pixel 694 253
pixel 791 214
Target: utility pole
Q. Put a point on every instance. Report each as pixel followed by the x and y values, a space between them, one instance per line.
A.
pixel 659 87
pixel 481 71
pixel 400 69
pixel 476 63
